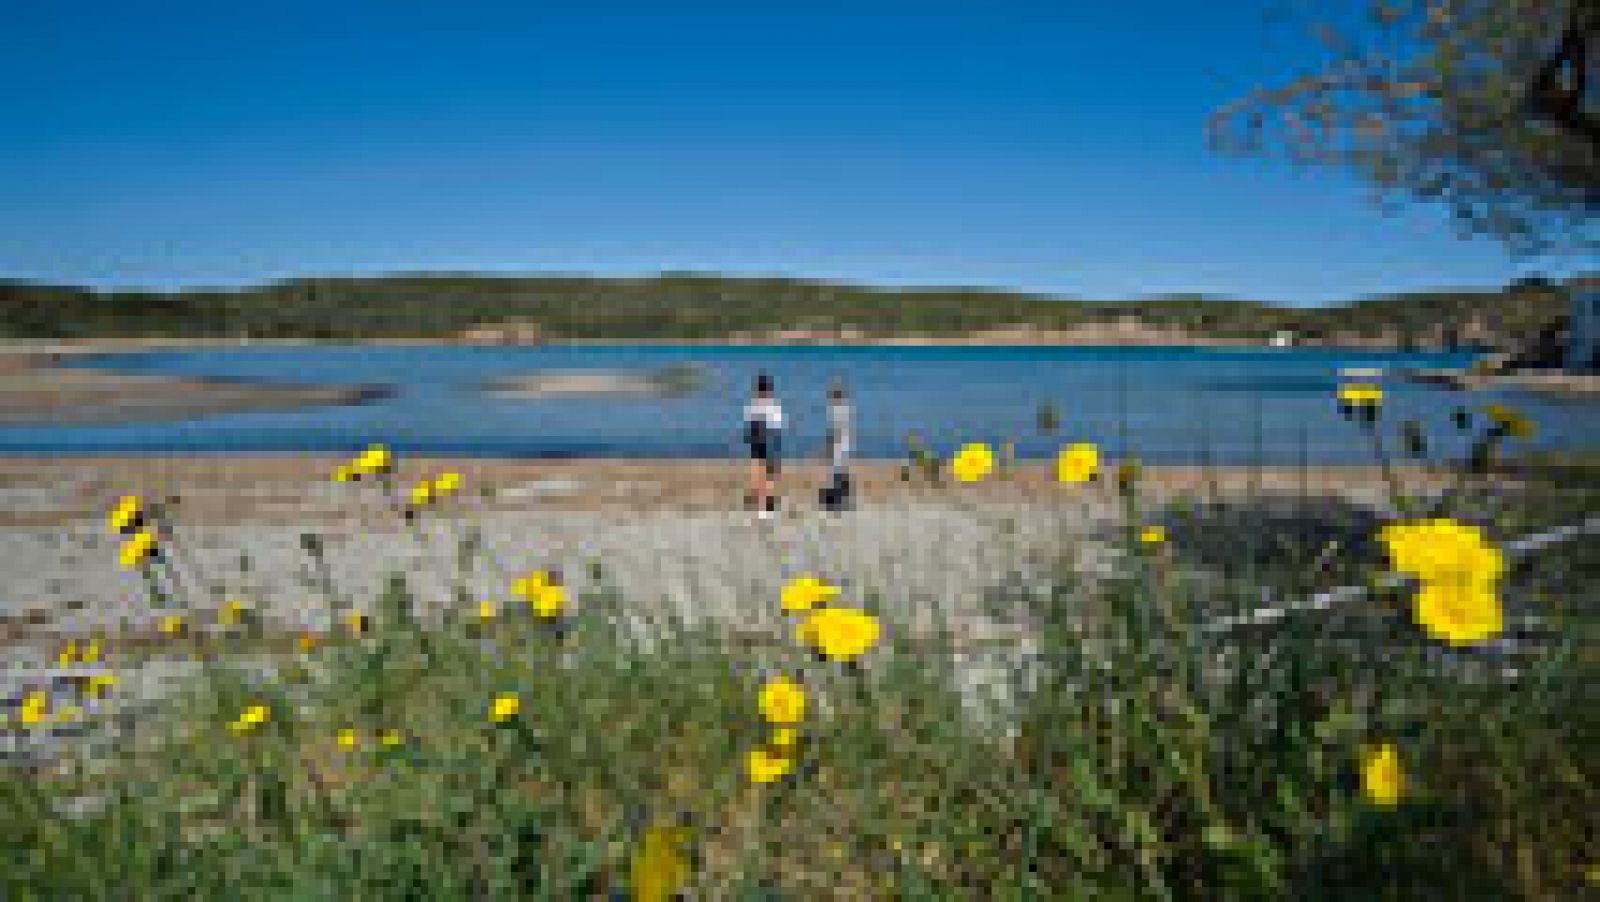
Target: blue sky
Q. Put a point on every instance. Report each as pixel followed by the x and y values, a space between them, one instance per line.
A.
pixel 1055 147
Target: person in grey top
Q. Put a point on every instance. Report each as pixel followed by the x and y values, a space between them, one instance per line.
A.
pixel 841 435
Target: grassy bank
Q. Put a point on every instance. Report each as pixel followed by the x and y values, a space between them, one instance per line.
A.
pixel 559 740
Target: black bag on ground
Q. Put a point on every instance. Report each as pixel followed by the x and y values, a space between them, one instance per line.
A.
pixel 836 494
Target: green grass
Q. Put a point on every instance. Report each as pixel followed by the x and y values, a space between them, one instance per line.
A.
pixel 1133 755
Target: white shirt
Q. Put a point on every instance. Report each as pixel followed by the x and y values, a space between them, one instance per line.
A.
pixel 765 409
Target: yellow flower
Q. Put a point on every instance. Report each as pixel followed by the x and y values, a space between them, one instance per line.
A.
pixel 784 737
pixel 90 653
pixel 1459 612
pixel 391 738
pixel 252 717
pixel 102 682
pixel 659 868
pixel 446 484
pixel 1153 535
pixel 1360 394
pixel 1381 778
pixel 349 740
pixel 69 714
pixel 1442 549
pixel 973 462
pixel 34 709
pixel 806 592
pixel 345 473
pixel 126 516
pixel 1077 463
pixel 422 493
pixel 231 613
pixel 765 767
pixel 308 642
pixel 486 610
pixel 171 625
pixel 375 459
pixel 546 597
pixel 68 653
pixel 504 708
pixel 137 549
pixel 357 622
pixel 839 633
pixel 783 701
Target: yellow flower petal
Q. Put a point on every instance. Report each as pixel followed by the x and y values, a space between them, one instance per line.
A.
pixel 504 708
pixel 806 592
pixel 783 701
pixel 1153 535
pixel 765 767
pixel 973 462
pixel 659 868
pixel 1459 612
pixel 1077 463
pixel 839 633
pixel 1381 777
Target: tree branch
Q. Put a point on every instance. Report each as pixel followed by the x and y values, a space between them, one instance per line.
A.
pixel 1560 101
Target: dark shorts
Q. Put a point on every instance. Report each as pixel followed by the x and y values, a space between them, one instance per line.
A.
pixel 766 449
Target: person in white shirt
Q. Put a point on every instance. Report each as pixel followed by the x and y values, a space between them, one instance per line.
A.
pixel 763 424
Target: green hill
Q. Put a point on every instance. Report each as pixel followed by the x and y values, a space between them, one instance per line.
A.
pixel 691 306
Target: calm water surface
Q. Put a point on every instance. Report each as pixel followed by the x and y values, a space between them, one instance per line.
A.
pixel 1166 405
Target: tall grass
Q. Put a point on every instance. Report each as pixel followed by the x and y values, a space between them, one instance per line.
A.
pixel 1130 755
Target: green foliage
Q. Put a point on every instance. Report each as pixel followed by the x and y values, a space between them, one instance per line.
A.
pixel 696 307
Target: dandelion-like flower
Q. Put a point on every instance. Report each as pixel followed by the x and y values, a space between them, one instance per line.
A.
pixel 127 516
pixel 35 709
pixel 170 625
pixel 1153 535
pixel 505 707
pixel 446 484
pixel 973 462
pixel 357 623
pixel 374 460
pixel 391 738
pixel 486 610
pixel 90 653
pixel 659 868
pixel 138 549
pixel 1077 463
pixel 840 634
pixel 345 473
pixel 783 701
pixel 763 766
pixel 545 596
pixel 1460 613
pixel 806 592
pixel 252 717
pixel 231 613
pixel 349 740
pixel 422 494
pixel 1381 776
pixel 784 738
pixel 1459 570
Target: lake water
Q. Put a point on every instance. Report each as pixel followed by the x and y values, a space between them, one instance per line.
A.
pixel 1165 405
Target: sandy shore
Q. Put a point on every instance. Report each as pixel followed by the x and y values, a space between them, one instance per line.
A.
pixel 670 539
